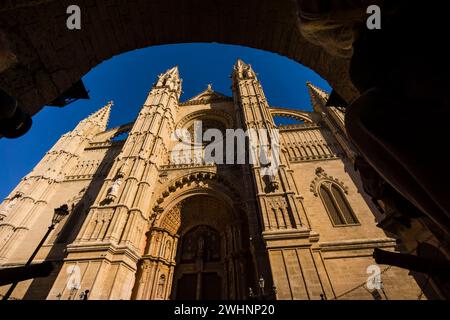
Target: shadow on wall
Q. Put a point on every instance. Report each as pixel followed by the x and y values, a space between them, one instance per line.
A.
pixel 68 231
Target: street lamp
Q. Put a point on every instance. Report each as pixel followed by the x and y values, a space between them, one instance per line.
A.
pixel 261 285
pixel 84 295
pixel 58 215
pixel 262 295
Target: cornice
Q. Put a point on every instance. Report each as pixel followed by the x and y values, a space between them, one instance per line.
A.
pixel 62 151
pixel 298 127
pixel 205 101
pixel 104 145
pixel 313 158
pixel 287 233
pixel 84 247
pixel 159 259
pixel 172 167
pixel 357 244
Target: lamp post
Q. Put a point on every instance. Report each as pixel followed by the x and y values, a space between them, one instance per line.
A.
pixel 84 295
pixel 262 295
pixel 58 215
pixel 261 285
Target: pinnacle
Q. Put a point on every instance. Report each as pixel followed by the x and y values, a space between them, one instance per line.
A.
pixel 240 66
pixel 318 96
pixel 320 92
pixel 101 116
pixel 173 71
pixel 239 62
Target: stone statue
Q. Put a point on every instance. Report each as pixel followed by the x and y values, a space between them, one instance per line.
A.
pixel 113 191
pixel 200 246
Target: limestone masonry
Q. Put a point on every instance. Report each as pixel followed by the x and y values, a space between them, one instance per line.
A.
pixel 143 226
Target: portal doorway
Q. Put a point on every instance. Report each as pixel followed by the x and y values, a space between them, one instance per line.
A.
pixel 199 271
pixel 198 250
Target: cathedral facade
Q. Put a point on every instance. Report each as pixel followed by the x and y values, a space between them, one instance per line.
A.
pixel 150 222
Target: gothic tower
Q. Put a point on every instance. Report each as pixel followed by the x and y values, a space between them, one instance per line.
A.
pixel 25 206
pixel 157 214
pixel 116 224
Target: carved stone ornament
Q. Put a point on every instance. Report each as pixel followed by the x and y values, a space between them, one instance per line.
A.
pixel 272 182
pixel 321 175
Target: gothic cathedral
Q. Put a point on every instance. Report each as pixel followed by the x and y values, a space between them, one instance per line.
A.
pixel 148 222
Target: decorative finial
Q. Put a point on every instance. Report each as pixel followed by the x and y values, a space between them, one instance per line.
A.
pixel 209 88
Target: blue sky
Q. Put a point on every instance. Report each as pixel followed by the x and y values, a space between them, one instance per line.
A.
pixel 126 79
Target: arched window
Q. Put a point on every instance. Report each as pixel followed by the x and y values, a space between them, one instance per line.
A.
pixel 336 204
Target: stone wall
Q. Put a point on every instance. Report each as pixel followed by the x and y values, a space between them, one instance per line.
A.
pixel 40 58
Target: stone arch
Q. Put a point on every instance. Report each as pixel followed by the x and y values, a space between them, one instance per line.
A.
pixel 168 219
pixel 122 130
pixel 322 176
pixel 46 58
pixel 307 117
pixel 336 204
pixel 165 241
pixel 332 192
pixel 216 119
pixel 218 115
pixel 200 180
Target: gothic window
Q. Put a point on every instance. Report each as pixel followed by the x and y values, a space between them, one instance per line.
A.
pixel 206 124
pixel 337 204
pixel 304 153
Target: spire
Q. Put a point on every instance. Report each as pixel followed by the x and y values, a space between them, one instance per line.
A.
pixel 239 64
pixel 318 97
pixel 98 120
pixel 173 72
pixel 101 117
pixel 170 79
pixel 243 71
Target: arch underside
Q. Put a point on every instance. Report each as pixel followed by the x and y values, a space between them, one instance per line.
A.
pixel 307 117
pixel 41 58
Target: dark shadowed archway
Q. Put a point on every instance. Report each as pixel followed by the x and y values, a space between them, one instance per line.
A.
pixel 40 58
